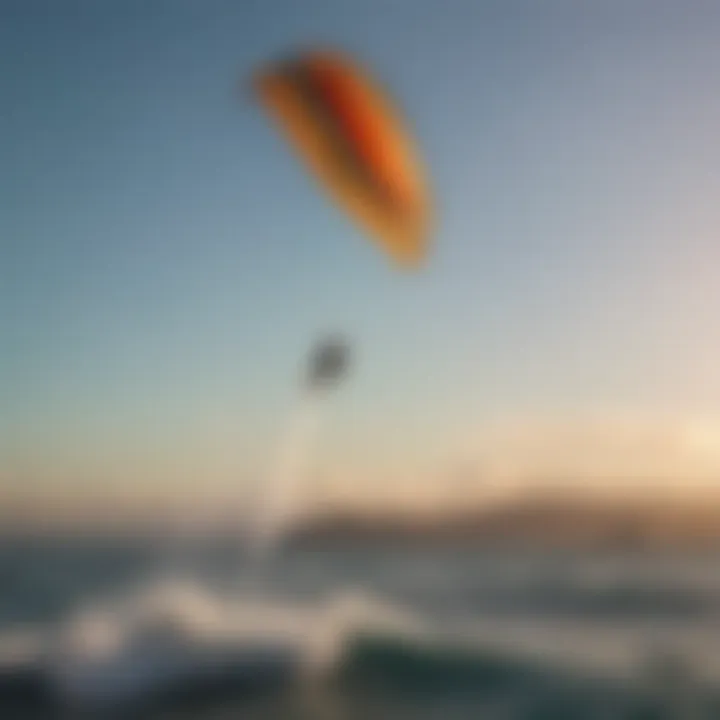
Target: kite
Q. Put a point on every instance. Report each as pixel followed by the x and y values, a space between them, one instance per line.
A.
pixel 350 135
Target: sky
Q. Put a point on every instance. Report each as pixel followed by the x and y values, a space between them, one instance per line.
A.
pixel 165 262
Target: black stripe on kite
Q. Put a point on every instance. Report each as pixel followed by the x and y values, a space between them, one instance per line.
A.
pixel 345 152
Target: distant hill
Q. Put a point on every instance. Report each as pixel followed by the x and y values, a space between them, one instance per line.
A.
pixel 538 521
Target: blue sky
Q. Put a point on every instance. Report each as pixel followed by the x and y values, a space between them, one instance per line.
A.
pixel 166 262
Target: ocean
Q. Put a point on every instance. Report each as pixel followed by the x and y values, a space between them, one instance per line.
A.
pixel 105 628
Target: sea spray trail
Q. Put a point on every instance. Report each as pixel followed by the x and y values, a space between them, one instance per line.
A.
pixel 279 501
pixel 327 365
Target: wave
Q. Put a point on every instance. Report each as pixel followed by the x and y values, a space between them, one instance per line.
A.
pixel 176 641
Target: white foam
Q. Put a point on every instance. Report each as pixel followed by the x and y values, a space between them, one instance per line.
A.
pixel 173 631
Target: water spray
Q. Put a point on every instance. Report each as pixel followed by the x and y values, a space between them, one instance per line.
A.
pixel 327 366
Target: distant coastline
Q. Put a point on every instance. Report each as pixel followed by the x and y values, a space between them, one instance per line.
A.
pixel 540 520
pixel 535 522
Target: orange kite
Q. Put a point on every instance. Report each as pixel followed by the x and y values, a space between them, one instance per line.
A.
pixel 351 136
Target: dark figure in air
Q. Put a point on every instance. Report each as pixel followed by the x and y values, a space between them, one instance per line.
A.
pixel 329 361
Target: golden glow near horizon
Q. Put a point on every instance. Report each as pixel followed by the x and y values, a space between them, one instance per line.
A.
pixel 613 453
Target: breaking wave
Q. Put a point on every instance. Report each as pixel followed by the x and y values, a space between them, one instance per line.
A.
pixel 178 641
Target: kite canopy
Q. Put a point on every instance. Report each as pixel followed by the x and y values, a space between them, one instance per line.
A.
pixel 351 137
